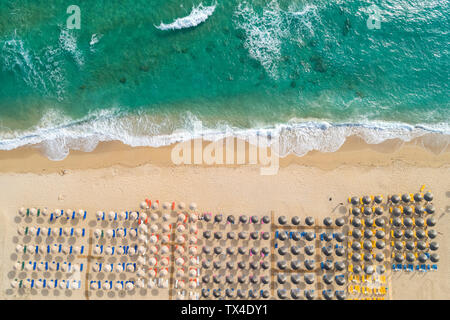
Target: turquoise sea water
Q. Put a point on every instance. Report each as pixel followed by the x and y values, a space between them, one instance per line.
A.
pixel 310 71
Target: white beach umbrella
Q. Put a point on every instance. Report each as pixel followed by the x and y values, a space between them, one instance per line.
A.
pixel 129 286
pixel 42 249
pixel 180 249
pixel 143 217
pixel 25 284
pixel 163 272
pixel 67 232
pixel 143 228
pixel 44 212
pixel 180 284
pixel 41 267
pixel 68 213
pixel 21 230
pixel 181 239
pixel 94 285
pixel 132 233
pixel 119 268
pixel 153 217
pixel 51 284
pixel 153 250
pixel 152 273
pixel 166 217
pixel 193 250
pixel 43 232
pixel 58 213
pixel 181 205
pixel 192 284
pixel 155 205
pixel 140 273
pixel 166 205
pixel 17 266
pixel 193 229
pixel 165 239
pixel 166 228
pixel 80 213
pixel 180 273
pixel 120 250
pixel 31 249
pixel 33 212
pixel 32 231
pixel 106 286
pixel 62 284
pixel 122 215
pixel 165 249
pixel 55 232
pixel 153 239
pixel 142 238
pixel 65 249
pixel 22 212
pixel 75 267
pixel 19 248
pixel 194 217
pixel 111 215
pixel 142 250
pixel 54 248
pixel 131 251
pixel 165 261
pixel 193 206
pixel 28 266
pixel 97 233
pixel 154 228
pixel 143 205
pixel 130 268
pixel 108 251
pixel 76 250
pixel 181 228
pixel 181 217
pixel 64 267
pixel 97 250
pixel 38 284
pixel 96 267
pixel 78 232
pixel 140 284
pixel 120 233
pixel 179 261
pixel 192 272
pixel 134 215
pixel 193 239
pixel 118 286
pixel 107 268
pixel 193 261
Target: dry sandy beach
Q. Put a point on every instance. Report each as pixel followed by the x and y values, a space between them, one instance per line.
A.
pixel 117 177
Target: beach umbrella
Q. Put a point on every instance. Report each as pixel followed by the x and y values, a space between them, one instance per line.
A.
pixel 397 222
pixel 327 221
pixel 243 235
pixel 431 221
pixel 205 293
pixel 398 245
pixel 418 197
pixel 181 217
pixel 310 264
pixel 368 222
pixel 328 236
pixel 218 218
pixel 434 257
pixel 380 234
pixel 310 250
pixel 407 222
pixel 205 279
pixel 265 250
pixel 340 222
pixel 379 211
pixel 32 231
pixel 229 292
pixel 380 222
pixel 432 233
pixel 193 217
pixel 357 269
pixel 309 294
pixel 254 235
pixel 310 236
pixel 295 293
pixel 295 265
pixel 254 219
pixel 428 196
pixel 410 245
pixel 354 201
pixel 230 279
pixel 407 210
pixel 421 245
pixel 295 220
pixel 378 199
pixel 192 239
pixel 356 222
pixel 422 258
pixel 242 279
pixel 410 257
pixel 217 279
pixel 165 217
pixel 206 234
pixel 309 278
pixel 164 272
pixel 242 250
pixel 434 246
pixel 218 235
pixel 132 233
pixel 281 278
pixel 380 244
pixel 254 251
pixel 379 257
pixel 242 265
pixel 230 265
pixel 180 228
pixel 265 265
pixel 366 200
pixel 309 221
pixel 295 278
pixel 218 250
pixel 282 235
pixel 368 233
pixel 396 212
pixel 193 229
pixel 367 211
pixel 339 265
pixel 356 233
pixel 166 205
pixel 265 294
pixel 295 250
pixel 181 205
pixel 265 235
pixel 340 279
pixel 122 215
pixel 419 210
pixel 266 219
pixel 395 199
pixel 231 219
pixel 193 206
pixel 217 264
pixel 243 219
pixel 230 251
pixel 367 245
pixel 356 246
pixel 398 233
pixel 282 293
pixel 134 215
pixel 356 211
pixel 339 252
pixel 22 212
pixel 282 220
pixel 406 198
pixel 399 257
pixel 408 234
pixel 328 278
pixel 179 261
pixel 430 209
pixel 420 233
pixel 340 294
pixel 192 250
pixel 327 250
pixel 356 257
pixel 420 222
pixel 166 250
pixel 282 265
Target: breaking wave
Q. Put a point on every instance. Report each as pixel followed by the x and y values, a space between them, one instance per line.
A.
pixel 198 15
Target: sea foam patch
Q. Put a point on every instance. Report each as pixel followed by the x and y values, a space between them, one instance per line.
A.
pixel 198 15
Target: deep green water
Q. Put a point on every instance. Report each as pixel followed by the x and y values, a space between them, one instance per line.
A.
pixel 313 67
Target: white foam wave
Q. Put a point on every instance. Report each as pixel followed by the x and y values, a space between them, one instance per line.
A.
pixel 198 15
pixel 68 42
pixel 57 134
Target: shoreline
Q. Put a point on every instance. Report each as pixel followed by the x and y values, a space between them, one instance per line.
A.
pixel 354 152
